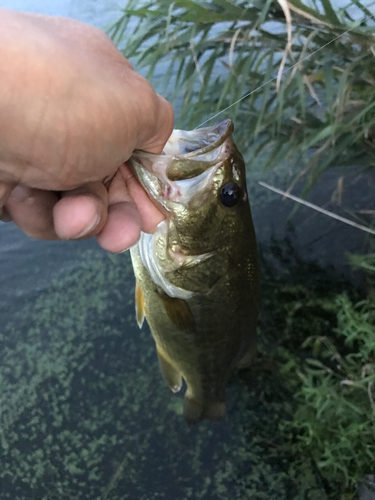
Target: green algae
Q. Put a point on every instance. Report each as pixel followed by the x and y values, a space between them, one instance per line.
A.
pixel 85 413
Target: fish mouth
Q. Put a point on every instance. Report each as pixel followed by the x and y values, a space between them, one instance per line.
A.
pixel 187 165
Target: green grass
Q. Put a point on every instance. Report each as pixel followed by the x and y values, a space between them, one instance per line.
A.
pixel 335 421
pixel 326 349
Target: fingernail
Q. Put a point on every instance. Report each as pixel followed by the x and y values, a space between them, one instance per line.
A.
pixel 88 229
pixel 20 193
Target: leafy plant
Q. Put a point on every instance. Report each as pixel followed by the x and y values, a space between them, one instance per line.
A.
pixel 336 416
pixel 323 341
pixel 307 72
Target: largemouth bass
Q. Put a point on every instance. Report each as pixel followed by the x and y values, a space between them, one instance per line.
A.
pixel 197 277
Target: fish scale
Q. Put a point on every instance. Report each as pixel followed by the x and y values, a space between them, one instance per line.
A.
pixel 198 276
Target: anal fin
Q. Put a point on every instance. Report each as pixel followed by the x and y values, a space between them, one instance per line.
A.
pixel 170 374
pixel 139 305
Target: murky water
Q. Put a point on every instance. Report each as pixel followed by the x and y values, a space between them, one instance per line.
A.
pixel 84 412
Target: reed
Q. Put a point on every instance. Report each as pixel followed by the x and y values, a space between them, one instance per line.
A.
pixel 306 69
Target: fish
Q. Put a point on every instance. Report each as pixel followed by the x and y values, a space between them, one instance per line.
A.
pixel 197 275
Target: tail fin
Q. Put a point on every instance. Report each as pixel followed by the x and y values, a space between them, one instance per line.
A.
pixel 195 410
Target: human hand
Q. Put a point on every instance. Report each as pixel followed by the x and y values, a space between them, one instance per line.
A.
pixel 72 110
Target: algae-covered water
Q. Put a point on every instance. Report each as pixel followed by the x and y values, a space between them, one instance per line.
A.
pixel 85 413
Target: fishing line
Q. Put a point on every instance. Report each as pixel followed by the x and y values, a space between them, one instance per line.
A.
pixel 318 209
pixel 275 78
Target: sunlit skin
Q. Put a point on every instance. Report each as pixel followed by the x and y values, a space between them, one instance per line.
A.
pixel 72 111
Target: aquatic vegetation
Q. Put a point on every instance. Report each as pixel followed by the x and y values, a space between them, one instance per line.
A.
pixel 335 420
pixel 85 414
pixel 324 342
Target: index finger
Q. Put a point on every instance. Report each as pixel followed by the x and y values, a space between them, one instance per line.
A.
pixel 124 224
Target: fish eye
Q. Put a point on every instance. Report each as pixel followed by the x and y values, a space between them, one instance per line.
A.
pixel 230 194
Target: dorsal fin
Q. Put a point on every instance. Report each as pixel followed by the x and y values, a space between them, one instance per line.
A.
pixel 139 305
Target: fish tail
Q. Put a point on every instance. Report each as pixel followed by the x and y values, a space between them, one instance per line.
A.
pixel 195 410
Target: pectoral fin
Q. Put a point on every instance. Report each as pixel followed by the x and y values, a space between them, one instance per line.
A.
pixel 139 305
pixel 195 275
pixel 171 375
pixel 179 312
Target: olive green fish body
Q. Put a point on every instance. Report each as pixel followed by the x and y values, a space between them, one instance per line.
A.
pixel 197 275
